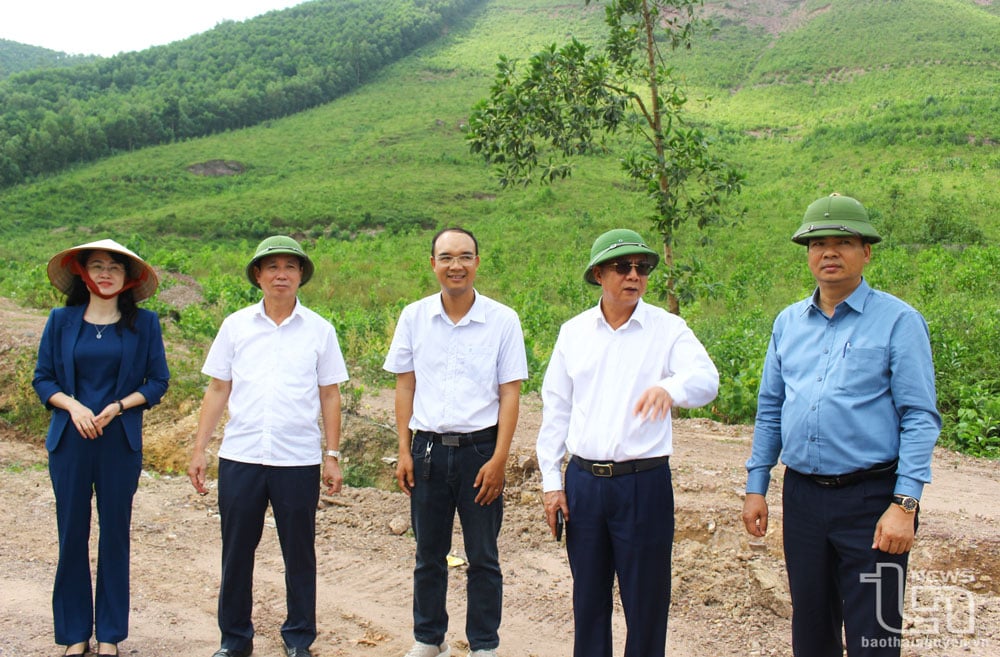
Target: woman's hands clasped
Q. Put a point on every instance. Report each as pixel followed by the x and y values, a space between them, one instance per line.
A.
pixel 89 425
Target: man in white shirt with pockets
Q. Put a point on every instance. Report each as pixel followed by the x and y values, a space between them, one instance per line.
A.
pixel 279 367
pixel 459 360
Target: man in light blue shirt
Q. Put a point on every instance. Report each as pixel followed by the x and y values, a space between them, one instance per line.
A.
pixel 847 400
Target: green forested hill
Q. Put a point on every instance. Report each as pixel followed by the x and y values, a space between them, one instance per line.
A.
pixel 233 76
pixel 888 101
pixel 16 57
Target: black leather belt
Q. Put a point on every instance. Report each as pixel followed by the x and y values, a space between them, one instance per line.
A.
pixel 619 468
pixel 486 435
pixel 839 481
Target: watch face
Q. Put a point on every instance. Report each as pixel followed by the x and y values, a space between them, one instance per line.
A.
pixel 908 503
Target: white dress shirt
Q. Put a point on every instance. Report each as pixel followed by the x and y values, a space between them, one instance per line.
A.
pixel 596 376
pixel 458 367
pixel 276 371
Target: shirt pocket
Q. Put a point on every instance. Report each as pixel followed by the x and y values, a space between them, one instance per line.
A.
pixel 479 364
pixel 865 370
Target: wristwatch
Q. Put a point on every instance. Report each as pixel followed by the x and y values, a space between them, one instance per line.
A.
pixel 905 502
pixel 335 453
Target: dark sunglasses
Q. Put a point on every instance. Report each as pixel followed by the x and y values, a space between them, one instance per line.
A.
pixel 625 268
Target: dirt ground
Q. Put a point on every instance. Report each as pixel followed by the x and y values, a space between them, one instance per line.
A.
pixel 729 593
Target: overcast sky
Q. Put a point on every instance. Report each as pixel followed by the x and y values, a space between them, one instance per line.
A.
pixel 108 27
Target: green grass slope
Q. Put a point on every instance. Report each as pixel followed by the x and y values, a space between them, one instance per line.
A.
pixel 872 34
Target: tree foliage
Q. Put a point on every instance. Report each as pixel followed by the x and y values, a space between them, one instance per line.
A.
pixel 233 76
pixel 570 100
pixel 16 57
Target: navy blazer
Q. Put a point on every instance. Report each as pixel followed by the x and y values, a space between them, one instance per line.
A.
pixel 143 368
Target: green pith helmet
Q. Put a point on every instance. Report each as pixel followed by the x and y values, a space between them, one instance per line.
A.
pixel 836 215
pixel 613 244
pixel 278 245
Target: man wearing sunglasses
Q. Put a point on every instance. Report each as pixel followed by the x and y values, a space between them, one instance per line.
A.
pixel 616 372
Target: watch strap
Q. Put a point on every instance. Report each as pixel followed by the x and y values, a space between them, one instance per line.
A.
pixel 908 503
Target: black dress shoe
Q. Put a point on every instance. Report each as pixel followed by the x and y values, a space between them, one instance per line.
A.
pixel 234 652
pixel 297 652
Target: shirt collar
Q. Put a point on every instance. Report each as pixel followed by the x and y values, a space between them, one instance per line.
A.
pixel 859 296
pixel 477 313
pixel 260 312
pixel 639 315
pixel 855 301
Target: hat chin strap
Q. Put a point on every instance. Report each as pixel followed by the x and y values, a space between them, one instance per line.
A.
pixel 618 245
pixel 840 227
pixel 81 271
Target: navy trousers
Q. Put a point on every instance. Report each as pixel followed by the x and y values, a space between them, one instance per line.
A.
pixel 622 526
pixel 245 489
pixel 444 484
pixel 80 469
pixel 839 584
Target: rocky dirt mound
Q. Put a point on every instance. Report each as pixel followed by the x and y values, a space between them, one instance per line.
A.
pixel 216 168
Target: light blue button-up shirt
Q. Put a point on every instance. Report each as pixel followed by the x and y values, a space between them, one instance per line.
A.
pixel 844 393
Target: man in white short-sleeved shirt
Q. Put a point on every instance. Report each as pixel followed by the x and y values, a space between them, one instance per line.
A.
pixel 279 367
pixel 459 360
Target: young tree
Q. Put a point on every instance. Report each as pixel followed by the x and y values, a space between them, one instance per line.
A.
pixel 570 101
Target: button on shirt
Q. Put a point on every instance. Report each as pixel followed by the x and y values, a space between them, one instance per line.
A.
pixel 596 376
pixel 276 371
pixel 458 367
pixel 844 393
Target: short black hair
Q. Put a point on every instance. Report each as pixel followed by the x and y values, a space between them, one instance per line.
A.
pixel 453 229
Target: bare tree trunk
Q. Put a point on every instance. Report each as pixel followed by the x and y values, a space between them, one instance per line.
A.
pixel 673 304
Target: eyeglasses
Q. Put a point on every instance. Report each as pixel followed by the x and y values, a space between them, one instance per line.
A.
pixel 98 268
pixel 625 268
pixel 446 259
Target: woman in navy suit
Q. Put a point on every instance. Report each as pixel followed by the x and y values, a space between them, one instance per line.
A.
pixel 101 363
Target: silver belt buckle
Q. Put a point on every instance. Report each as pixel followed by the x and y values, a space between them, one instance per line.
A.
pixel 603 469
pixel 450 439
